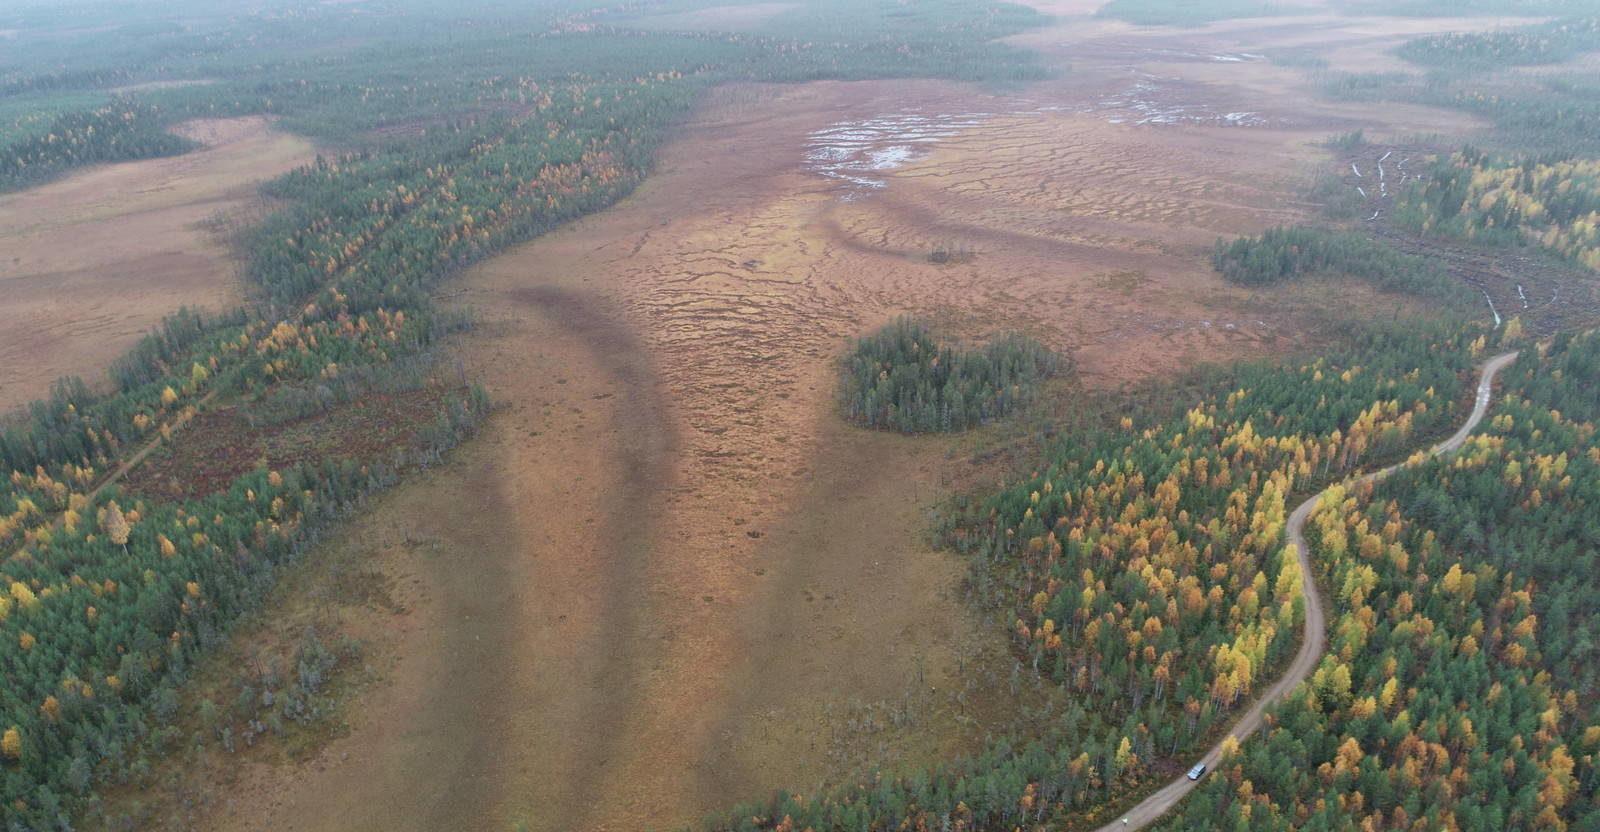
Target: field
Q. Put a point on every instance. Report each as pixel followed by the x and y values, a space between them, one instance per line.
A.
pixel 664 577
pixel 92 262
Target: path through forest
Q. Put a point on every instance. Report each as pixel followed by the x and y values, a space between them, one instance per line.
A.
pixel 1316 639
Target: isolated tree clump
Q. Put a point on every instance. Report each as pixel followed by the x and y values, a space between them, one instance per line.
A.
pixel 903 378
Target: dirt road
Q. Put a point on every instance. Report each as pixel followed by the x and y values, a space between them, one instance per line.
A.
pixel 1311 648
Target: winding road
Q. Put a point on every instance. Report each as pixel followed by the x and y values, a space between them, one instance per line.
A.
pixel 1158 804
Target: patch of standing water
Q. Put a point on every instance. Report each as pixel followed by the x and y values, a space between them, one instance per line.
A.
pixel 1149 101
pixel 858 153
pixel 1141 53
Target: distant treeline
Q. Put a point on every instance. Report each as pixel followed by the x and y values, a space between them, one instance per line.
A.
pixel 1542 44
pixel 1554 111
pixel 335 75
pixel 1444 8
pixel 1191 12
pixel 1186 12
pixel 119 131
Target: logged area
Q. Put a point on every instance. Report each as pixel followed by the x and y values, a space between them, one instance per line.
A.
pixel 800 416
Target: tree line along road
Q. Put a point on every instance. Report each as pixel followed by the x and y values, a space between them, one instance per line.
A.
pixel 1315 642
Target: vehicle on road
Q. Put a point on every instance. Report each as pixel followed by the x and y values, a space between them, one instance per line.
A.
pixel 1198 771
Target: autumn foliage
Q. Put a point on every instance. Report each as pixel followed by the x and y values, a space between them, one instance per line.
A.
pixel 1142 568
pixel 1458 688
pixel 1550 203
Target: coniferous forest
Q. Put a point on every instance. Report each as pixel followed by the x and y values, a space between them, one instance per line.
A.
pixel 1130 553
pixel 1282 254
pixel 457 147
pixel 1145 569
pixel 1459 689
pixel 905 379
pixel 1554 203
